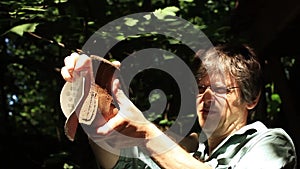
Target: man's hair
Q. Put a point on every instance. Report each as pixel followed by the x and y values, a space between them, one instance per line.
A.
pixel 239 60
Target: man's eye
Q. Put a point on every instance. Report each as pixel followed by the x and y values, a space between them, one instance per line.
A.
pixel 220 90
pixel 201 89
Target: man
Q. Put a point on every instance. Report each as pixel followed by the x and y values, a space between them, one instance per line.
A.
pixel 229 80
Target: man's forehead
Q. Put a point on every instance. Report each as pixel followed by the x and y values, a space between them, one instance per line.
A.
pixel 216 79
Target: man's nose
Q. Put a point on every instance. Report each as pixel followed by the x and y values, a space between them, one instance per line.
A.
pixel 208 96
pixel 208 92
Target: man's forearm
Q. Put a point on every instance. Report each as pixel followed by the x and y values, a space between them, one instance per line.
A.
pixel 104 158
pixel 167 153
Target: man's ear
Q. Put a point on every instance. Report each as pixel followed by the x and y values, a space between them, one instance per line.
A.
pixel 254 103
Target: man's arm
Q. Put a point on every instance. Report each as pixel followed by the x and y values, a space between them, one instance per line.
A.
pixel 167 153
pixel 104 157
pixel 131 122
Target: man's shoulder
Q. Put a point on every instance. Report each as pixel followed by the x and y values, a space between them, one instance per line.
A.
pixel 264 133
pixel 271 146
pixel 253 143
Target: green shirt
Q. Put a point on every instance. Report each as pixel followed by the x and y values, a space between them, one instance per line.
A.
pixel 253 146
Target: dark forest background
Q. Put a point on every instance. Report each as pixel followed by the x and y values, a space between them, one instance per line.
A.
pixel 36 36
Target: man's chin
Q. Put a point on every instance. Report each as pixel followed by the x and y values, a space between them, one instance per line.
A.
pixel 209 128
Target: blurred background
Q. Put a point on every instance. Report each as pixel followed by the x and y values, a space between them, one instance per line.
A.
pixel 36 36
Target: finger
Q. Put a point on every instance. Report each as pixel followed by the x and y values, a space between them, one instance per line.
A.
pixel 114 124
pixel 120 96
pixel 116 63
pixel 66 74
pixel 83 62
pixel 194 135
pixel 115 86
pixel 70 62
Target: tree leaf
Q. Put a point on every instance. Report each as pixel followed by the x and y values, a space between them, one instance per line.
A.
pixel 276 97
pixel 131 21
pixel 20 29
pixel 170 10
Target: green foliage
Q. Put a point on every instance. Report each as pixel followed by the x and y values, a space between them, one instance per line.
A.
pixel 20 29
pixel 162 13
pixel 288 64
pixel 273 102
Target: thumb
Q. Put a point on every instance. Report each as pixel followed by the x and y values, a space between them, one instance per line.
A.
pixel 120 97
pixel 114 124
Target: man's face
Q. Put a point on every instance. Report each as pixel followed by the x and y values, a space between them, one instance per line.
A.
pixel 219 106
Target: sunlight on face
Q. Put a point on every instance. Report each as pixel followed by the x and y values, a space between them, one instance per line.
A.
pixel 219 110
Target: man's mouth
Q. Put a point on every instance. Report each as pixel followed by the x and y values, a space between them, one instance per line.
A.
pixel 208 111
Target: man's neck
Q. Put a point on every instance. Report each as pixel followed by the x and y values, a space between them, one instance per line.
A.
pixel 215 139
pixel 213 142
